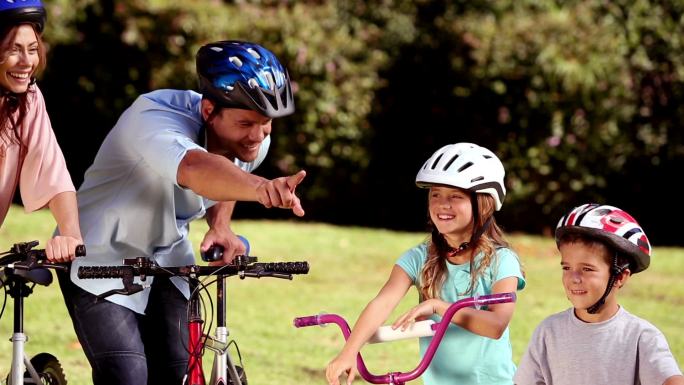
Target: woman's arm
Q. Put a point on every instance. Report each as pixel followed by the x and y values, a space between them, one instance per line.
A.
pixel 487 323
pixel 62 248
pixel 372 317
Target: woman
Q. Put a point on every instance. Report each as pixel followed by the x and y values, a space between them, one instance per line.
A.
pixel 29 154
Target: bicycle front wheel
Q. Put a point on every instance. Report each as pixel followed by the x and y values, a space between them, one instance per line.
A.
pixel 241 373
pixel 49 369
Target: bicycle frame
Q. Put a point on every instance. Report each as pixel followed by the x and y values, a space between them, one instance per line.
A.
pixel 19 289
pixel 400 378
pixel 223 366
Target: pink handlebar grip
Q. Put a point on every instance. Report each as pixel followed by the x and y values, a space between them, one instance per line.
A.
pixel 311 320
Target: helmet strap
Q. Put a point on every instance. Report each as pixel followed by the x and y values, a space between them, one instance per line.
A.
pixel 615 271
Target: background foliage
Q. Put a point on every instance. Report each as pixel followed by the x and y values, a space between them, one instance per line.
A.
pixel 581 99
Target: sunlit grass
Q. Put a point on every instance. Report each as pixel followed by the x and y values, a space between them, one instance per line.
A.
pixel 348 266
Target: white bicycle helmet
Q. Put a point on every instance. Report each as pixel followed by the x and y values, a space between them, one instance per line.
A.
pixel 467 166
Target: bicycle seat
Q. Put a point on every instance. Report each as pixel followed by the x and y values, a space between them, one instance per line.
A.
pixel 40 276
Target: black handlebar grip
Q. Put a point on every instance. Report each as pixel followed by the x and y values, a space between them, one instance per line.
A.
pixel 101 271
pixel 80 251
pixel 214 253
pixel 287 267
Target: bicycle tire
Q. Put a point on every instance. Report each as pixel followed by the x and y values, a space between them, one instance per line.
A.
pixel 49 369
pixel 241 374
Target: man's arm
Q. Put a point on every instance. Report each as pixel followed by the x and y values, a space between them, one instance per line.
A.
pixel 674 380
pixel 217 178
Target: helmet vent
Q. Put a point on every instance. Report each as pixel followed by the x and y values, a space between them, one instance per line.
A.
pixel 487 156
pixel 269 79
pixel 217 49
pixel 236 61
pixel 465 166
pixel 434 164
pixel 254 53
pixel 479 178
pixel 446 166
pixel 253 83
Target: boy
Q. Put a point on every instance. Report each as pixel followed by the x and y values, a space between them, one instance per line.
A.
pixel 597 341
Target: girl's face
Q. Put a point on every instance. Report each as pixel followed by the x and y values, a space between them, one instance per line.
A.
pixel 20 61
pixel 452 213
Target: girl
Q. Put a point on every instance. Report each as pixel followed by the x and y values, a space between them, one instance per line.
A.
pixel 29 154
pixel 465 256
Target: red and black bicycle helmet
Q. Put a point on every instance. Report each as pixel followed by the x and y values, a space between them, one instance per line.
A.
pixel 13 12
pixel 612 225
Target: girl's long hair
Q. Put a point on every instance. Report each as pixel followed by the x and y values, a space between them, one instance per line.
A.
pixel 11 121
pixel 434 271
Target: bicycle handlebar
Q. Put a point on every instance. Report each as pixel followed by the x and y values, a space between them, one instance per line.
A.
pixel 255 270
pixel 439 327
pixel 243 266
pixel 22 256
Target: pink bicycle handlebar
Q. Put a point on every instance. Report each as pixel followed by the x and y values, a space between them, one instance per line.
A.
pixel 439 327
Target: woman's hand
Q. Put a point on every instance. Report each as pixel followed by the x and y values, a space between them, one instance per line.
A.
pixel 62 248
pixel 343 363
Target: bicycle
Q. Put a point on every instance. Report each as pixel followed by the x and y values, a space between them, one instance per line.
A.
pixel 224 369
pixel 19 267
pixel 419 329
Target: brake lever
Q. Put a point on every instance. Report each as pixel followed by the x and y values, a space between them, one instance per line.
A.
pixel 56 266
pixel 129 288
pixel 132 289
pixel 31 263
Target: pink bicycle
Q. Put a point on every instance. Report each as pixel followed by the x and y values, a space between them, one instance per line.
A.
pixel 420 329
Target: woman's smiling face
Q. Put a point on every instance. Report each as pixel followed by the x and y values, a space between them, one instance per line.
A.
pixel 20 60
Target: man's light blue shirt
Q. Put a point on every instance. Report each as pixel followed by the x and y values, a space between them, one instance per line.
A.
pixel 130 203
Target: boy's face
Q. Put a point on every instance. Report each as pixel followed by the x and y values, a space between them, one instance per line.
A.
pixel 586 271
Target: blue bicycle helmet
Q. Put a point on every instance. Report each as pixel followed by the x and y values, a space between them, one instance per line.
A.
pixel 14 12
pixel 238 74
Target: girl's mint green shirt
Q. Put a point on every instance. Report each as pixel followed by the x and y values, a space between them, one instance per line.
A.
pixel 465 358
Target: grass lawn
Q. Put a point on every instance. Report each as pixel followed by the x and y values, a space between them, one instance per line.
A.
pixel 348 266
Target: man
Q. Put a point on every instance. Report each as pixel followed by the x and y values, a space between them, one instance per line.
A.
pixel 172 157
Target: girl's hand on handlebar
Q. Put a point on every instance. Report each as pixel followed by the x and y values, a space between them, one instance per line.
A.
pixel 341 364
pixel 280 192
pixel 62 248
pixel 418 313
